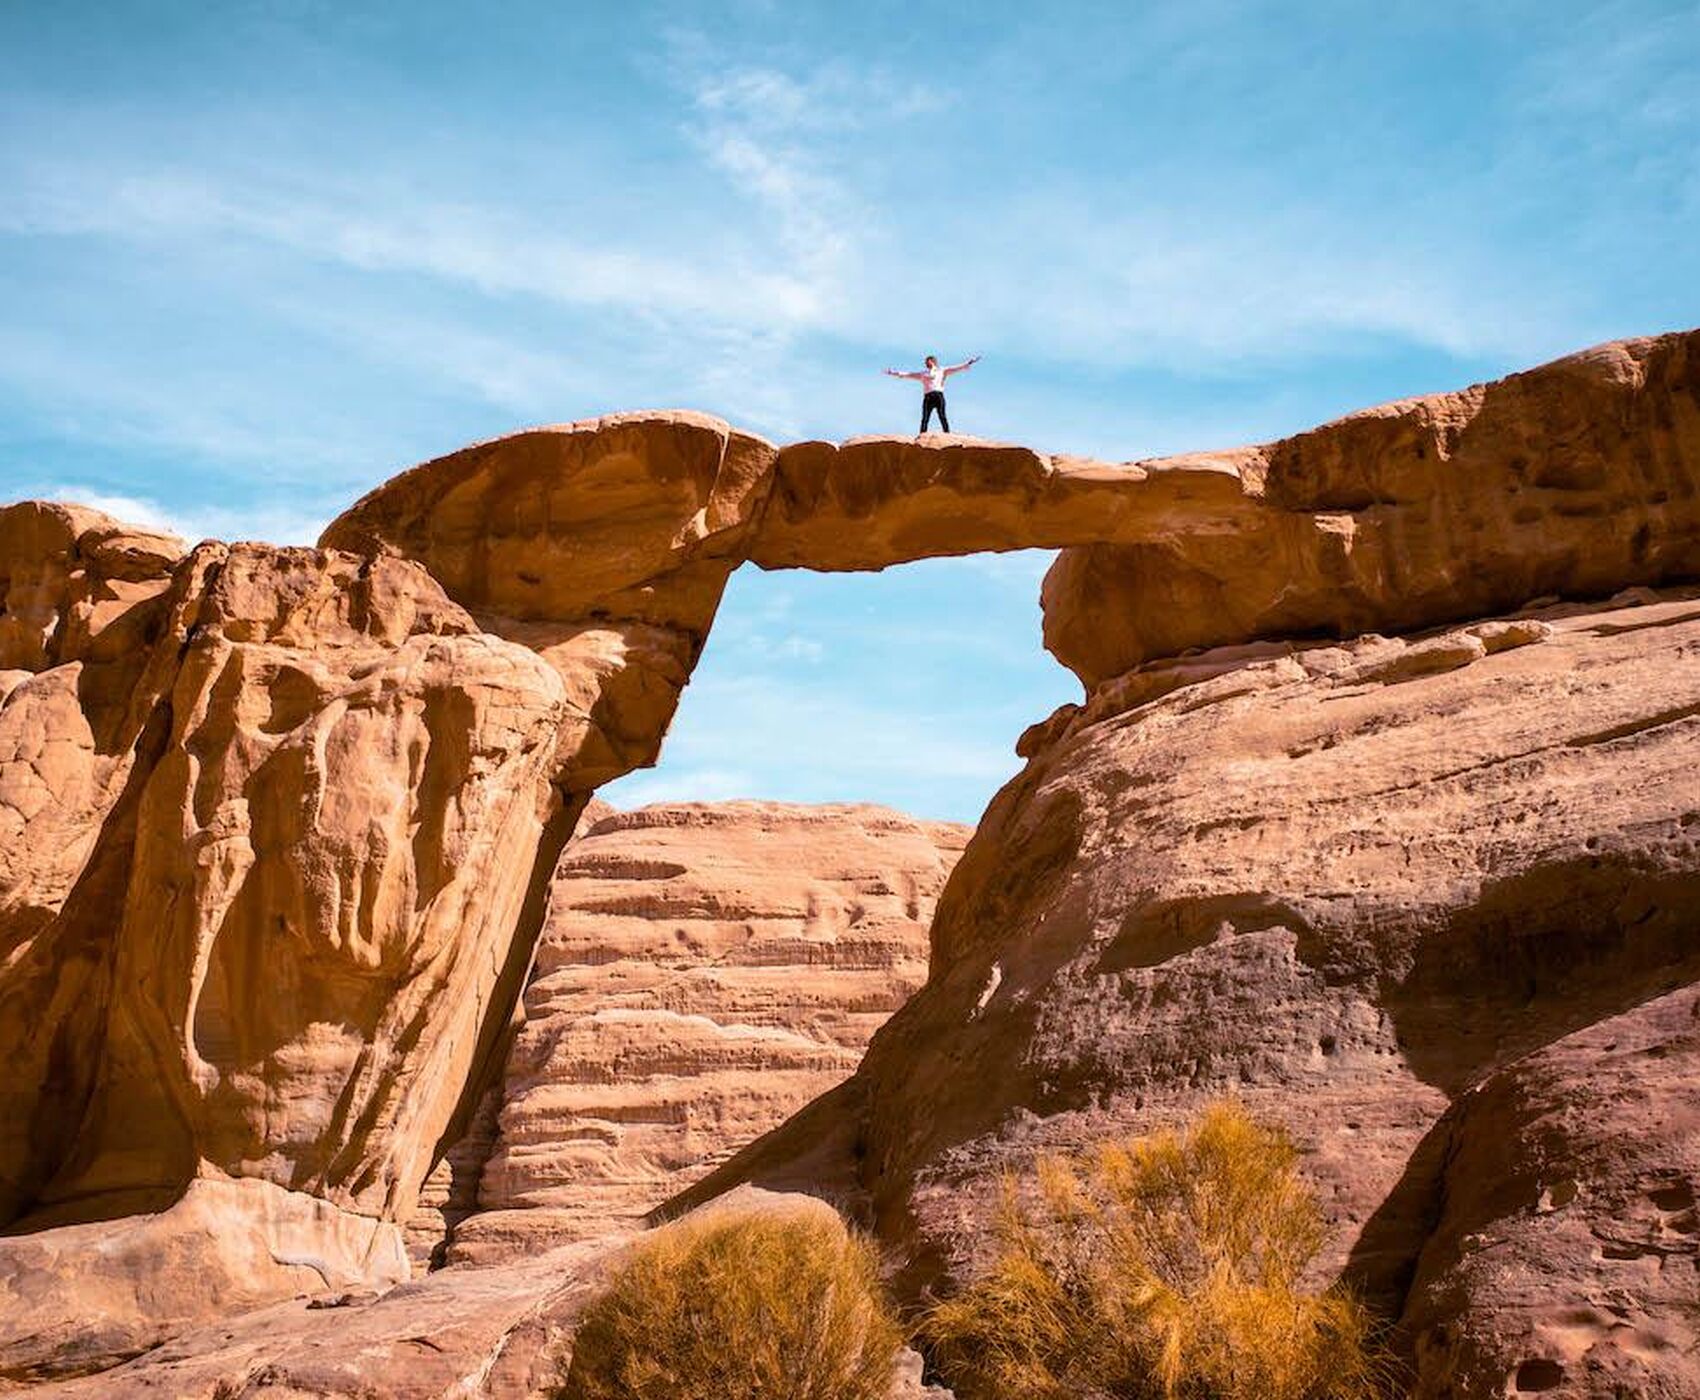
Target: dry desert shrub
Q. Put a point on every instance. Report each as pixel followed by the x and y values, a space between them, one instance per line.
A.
pixel 1165 1268
pixel 746 1306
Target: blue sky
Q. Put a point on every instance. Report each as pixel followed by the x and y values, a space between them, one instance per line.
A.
pixel 256 257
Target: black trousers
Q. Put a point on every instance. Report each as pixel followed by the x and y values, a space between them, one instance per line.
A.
pixel 933 399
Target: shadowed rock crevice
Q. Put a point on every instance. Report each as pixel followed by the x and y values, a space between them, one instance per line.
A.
pixel 1546 952
pixel 1154 933
pixel 79 966
pixel 1539 957
pixel 482 1091
pixel 58 979
pixel 1383 1260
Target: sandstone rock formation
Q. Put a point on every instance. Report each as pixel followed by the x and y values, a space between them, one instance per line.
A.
pixel 278 830
pixel 1565 1252
pixel 1348 884
pixel 352 779
pixel 1577 479
pixel 289 936
pixel 876 501
pixel 84 606
pixel 503 1333
pixel 704 971
pixel 603 545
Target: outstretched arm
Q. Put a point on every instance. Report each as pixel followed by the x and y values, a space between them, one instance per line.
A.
pixel 957 369
pixel 905 374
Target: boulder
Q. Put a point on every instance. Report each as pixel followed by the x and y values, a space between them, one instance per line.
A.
pixel 143 1278
pixel 470 1334
pixel 500 1333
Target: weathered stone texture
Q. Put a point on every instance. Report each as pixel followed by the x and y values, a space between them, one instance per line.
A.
pixel 1575 479
pixel 704 972
pixel 1348 884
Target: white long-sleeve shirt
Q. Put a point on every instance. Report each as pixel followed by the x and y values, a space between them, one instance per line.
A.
pixel 933 377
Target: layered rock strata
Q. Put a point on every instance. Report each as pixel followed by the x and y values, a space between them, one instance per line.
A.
pixel 704 971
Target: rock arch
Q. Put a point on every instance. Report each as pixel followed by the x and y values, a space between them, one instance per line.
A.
pixel 355 766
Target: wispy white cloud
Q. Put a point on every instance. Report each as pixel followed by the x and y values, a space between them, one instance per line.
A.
pixel 758 646
pixel 492 249
pixel 681 783
pixel 1067 271
pixel 832 96
pixel 784 141
pixel 271 523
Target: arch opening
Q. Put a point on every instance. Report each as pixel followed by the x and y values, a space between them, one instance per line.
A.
pixel 906 688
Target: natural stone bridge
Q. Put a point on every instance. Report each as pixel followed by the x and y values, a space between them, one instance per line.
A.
pixel 276 825
pixel 606 545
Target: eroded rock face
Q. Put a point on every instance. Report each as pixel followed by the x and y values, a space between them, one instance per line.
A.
pixel 704 971
pixel 82 605
pixel 351 795
pixel 68 577
pixel 286 942
pixel 92 618
pixel 1564 1256
pixel 1347 884
pixel 603 545
pixel 1574 479
pixel 502 1333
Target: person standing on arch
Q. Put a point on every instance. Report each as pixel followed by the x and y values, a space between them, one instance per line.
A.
pixel 932 379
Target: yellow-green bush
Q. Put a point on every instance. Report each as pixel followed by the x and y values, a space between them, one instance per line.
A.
pixel 744 1306
pixel 1165 1268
